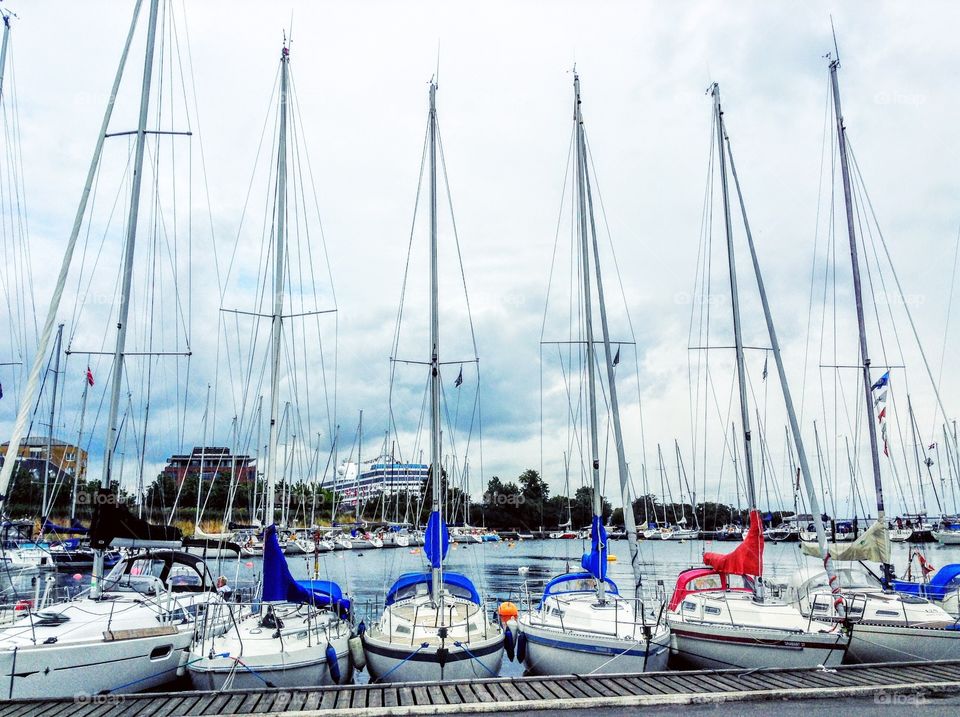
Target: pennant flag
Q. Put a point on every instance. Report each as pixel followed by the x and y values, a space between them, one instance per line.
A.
pixel 765 367
pixel 882 398
pixel 616 359
pixel 459 378
pixel 1 390
pixel 932 447
pixel 89 376
pixel 882 381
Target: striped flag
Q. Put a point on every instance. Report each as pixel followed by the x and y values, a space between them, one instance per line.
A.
pixel 880 389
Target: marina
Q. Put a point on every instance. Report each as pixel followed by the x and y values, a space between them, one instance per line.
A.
pixel 294 432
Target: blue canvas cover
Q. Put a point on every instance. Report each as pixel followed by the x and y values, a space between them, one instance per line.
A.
pixel 457 583
pixel 279 585
pixel 595 562
pixel 436 540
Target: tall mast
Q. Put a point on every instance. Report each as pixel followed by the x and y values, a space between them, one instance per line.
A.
pixel 53 412
pixel 787 396
pixel 3 50
pixel 629 521
pixel 435 443
pixel 735 304
pixel 858 295
pixel 131 240
pixel 278 285
pixel 582 181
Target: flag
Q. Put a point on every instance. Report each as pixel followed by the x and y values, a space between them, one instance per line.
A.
pixel 882 381
pixel 1 390
pixel 882 398
pixel 932 447
pixel 89 376
pixel 765 367
pixel 459 378
pixel 616 359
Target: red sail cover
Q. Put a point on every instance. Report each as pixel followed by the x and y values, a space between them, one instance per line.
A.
pixel 747 559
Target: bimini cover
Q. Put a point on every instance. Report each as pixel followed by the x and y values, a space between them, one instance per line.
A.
pixel 436 539
pixel 412 584
pixel 747 558
pixel 874 545
pixel 279 585
pixel 595 562
pixel 577 583
pixel 75 527
pixel 945 581
pixel 113 521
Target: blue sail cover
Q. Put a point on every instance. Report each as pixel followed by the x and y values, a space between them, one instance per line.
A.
pixel 595 562
pixel 279 585
pixel 406 586
pixel 436 540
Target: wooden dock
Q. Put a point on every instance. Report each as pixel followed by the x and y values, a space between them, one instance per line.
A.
pixel 518 693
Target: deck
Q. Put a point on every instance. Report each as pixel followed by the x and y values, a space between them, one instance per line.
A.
pixel 519 693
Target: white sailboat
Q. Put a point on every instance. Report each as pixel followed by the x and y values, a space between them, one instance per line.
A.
pixel 298 633
pixel 582 623
pixel 720 616
pixel 434 625
pixel 886 626
pixel 131 629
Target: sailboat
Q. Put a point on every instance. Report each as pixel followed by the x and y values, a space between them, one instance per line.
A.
pixel 434 625
pixel 298 633
pixel 130 630
pixel 886 626
pixel 582 623
pixel 719 615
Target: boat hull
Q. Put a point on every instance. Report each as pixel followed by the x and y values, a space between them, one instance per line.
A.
pixel 709 646
pixel 552 651
pixel 93 667
pixel 302 668
pixel 884 642
pixel 394 662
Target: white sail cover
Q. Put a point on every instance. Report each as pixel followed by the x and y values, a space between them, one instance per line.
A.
pixel 874 545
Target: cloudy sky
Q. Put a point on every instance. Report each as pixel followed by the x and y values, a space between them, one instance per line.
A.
pixel 361 72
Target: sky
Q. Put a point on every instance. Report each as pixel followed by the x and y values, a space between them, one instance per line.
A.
pixel 361 73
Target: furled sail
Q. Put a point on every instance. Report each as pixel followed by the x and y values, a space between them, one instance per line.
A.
pixel 436 539
pixel 595 562
pixel 874 545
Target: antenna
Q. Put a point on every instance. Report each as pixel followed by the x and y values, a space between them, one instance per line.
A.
pixel 437 73
pixel 836 50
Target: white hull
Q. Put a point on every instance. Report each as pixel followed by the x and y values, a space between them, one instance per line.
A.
pixel 391 662
pixel 89 668
pixel 303 668
pixel 879 642
pixel 947 537
pixel 551 651
pixel 705 647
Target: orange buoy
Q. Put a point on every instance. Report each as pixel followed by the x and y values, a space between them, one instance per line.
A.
pixel 507 611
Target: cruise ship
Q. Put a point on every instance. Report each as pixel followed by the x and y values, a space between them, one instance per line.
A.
pixel 371 479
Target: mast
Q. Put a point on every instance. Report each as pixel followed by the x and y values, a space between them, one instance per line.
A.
pixel 735 305
pixel 53 396
pixel 278 285
pixel 435 443
pixel 858 294
pixel 787 396
pixel 131 239
pixel 588 311
pixel 629 520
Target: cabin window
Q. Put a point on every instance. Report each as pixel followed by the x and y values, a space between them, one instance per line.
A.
pixel 402 630
pixel 888 613
pixel 711 610
pixel 689 605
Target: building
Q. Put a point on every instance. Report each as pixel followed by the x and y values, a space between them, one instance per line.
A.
pixel 57 458
pixel 380 476
pixel 210 461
